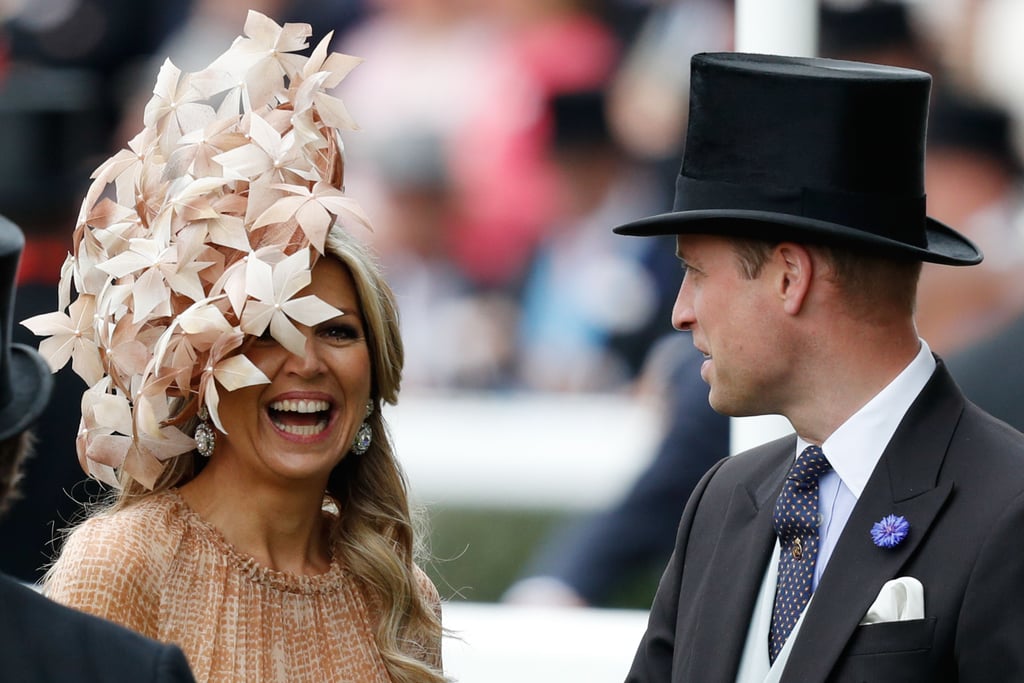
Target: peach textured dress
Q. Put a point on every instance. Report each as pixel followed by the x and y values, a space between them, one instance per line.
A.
pixel 160 569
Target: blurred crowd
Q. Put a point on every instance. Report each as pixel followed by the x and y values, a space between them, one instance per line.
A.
pixel 500 141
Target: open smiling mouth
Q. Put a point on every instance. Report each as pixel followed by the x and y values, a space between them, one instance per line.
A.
pixel 301 418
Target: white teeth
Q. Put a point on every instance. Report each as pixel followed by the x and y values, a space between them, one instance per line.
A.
pixel 302 430
pixel 301 406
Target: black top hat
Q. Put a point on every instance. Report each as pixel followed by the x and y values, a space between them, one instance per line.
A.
pixel 25 378
pixel 815 150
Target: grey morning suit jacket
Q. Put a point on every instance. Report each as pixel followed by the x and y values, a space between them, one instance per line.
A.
pixel 954 472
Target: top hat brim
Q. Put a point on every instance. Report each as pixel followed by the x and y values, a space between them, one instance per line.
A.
pixel 31 382
pixel 942 244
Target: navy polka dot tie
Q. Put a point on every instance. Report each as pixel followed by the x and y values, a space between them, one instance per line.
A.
pixel 796 523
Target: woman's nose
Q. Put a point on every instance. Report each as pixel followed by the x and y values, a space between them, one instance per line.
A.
pixel 309 363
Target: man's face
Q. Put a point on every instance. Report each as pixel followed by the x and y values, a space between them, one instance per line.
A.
pixel 730 318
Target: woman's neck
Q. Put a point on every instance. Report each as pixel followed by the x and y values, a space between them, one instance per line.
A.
pixel 282 527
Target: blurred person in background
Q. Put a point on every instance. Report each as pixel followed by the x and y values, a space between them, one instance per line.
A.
pixel 981 170
pixel 590 303
pixel 441 308
pixel 649 91
pixel 545 47
pixel 412 189
pixel 41 641
pixel 973 175
pixel 238 348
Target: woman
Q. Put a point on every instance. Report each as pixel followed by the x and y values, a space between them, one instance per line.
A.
pixel 239 342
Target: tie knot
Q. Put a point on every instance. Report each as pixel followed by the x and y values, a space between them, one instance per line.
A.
pixel 809 465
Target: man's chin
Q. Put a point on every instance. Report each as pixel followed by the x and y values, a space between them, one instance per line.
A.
pixel 726 405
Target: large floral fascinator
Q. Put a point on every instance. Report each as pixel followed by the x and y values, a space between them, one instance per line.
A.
pixel 200 233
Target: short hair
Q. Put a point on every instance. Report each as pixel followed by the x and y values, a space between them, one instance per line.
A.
pixel 867 278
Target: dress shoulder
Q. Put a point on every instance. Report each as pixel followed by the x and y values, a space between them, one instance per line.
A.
pixel 113 563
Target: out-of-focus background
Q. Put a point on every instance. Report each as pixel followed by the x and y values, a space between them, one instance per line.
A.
pixel 551 422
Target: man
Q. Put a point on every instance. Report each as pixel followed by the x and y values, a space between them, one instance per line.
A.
pixel 881 541
pixel 41 641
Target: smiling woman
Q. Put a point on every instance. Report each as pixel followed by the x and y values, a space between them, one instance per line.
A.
pixel 239 342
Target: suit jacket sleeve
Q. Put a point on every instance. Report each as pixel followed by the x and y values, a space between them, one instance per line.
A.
pixel 172 667
pixel 653 660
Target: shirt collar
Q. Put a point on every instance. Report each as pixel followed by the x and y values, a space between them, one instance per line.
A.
pixel 855 447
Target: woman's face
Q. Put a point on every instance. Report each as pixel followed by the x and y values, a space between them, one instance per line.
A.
pixel 302 424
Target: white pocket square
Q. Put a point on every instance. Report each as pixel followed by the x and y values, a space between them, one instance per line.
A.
pixel 901 599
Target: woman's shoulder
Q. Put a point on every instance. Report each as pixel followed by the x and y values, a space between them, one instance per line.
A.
pixel 113 563
pixel 137 541
pixel 142 528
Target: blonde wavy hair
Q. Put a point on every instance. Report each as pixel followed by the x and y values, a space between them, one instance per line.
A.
pixel 379 537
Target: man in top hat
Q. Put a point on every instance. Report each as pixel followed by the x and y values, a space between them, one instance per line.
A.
pixel 881 541
pixel 41 641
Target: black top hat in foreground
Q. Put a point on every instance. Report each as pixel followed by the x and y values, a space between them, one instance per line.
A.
pixel 25 378
pixel 813 150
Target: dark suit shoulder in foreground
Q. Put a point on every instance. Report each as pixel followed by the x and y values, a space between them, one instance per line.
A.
pixel 43 642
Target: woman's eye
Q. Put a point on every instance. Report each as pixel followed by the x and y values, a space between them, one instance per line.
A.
pixel 342 332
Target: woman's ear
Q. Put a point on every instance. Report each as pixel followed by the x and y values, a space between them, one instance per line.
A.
pixel 793 270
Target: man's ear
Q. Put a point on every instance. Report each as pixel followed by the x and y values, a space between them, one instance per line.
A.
pixel 793 270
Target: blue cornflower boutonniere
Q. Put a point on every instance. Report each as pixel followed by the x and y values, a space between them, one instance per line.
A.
pixel 890 531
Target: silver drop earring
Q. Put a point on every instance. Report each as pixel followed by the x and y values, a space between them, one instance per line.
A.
pixel 364 436
pixel 205 437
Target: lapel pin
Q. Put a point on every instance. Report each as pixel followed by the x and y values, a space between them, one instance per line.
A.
pixel 890 531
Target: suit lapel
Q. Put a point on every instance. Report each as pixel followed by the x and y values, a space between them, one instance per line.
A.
pixel 905 482
pixel 736 570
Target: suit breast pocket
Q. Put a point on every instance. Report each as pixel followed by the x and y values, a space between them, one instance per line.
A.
pixel 890 652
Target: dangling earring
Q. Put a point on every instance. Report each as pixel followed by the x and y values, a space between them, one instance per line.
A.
pixel 205 437
pixel 364 436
